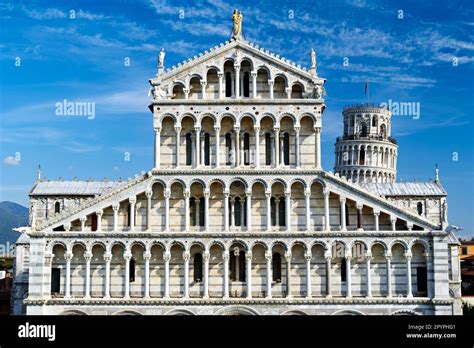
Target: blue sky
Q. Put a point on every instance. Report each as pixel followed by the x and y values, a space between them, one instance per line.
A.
pixel 424 54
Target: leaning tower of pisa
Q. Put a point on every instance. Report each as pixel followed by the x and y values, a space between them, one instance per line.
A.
pixel 366 152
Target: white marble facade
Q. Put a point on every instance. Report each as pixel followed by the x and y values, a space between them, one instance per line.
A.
pixel 237 215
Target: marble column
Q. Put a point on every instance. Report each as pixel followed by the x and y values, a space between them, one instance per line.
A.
pixel 348 276
pixel 221 89
pixel 88 257
pixel 307 196
pixel 327 225
pixel 288 274
pixel 342 201
pixel 148 195
pixel 187 194
pixel 226 210
pixel 257 146
pixel 166 258
pixel 388 258
pixel 297 147
pixel 317 133
pixel 393 221
pixel 206 257
pixel 268 196
pixel 287 210
pixel 328 257
pixel 98 213
pixel 248 202
pixel 217 131
pixel 308 258
pixel 225 256
pixel 268 257
pixel 376 217
pixel 248 257
pixel 270 84
pixel 157 147
pixel 237 146
pixel 203 89
pixel 107 259
pixel 186 257
pixel 197 146
pixel 178 142
pixel 408 256
pixel 368 258
pixel 359 217
pixel 277 146
pixel 83 220
pixel 237 81
pixel 127 258
pixel 67 292
pixel 132 201
pixel 254 83
pixel 167 195
pixel 147 257
pixel 206 210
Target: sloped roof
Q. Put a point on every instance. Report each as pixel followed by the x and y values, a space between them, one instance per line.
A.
pixel 73 187
pixel 406 189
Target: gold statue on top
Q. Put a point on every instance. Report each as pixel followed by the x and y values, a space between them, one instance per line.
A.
pixel 237 29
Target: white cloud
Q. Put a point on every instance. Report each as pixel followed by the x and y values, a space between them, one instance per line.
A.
pixel 11 161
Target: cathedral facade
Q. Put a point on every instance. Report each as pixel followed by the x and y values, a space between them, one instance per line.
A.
pixel 237 215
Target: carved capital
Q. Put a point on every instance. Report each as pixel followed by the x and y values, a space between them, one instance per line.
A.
pixel 132 200
pixel 308 256
pixel 148 193
pixel 186 257
pixel 115 207
pixel 167 257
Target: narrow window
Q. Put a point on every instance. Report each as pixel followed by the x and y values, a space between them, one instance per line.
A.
pixel 246 149
pixel 347 215
pixel 55 280
pixel 189 149
pixel 246 84
pixel 359 218
pixel 363 131
pixel 57 207
pixel 419 208
pixel 201 211
pixel 228 84
pixel 94 222
pixel 276 265
pixel 286 149
pixel 374 121
pixel 268 149
pixel 228 147
pixel 207 149
pixel 237 212
pixel 192 211
pixel 421 279
pixel 362 157
pixel 132 271
pixel 281 212
pixel 343 270
pixel 242 271
pixel 244 213
pixel 197 267
pixel 273 210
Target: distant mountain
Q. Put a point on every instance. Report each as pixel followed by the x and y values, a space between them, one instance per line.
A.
pixel 12 215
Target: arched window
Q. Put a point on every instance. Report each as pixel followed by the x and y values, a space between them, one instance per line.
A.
pixel 363 130
pixel 237 212
pixel 192 211
pixel 233 266
pixel 286 149
pixel 197 267
pixel 343 270
pixel 273 210
pixel 276 266
pixel 246 149
pixel 201 211
pixel 374 121
pixel 131 277
pixel 246 89
pixel 228 148
pixel 57 207
pixel 268 149
pixel 207 149
pixel 189 149
pixel 419 208
pixel 383 131
pixel 228 84
pixel 362 156
pixel 281 212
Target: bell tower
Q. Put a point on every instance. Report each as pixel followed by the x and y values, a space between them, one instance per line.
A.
pixel 366 152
